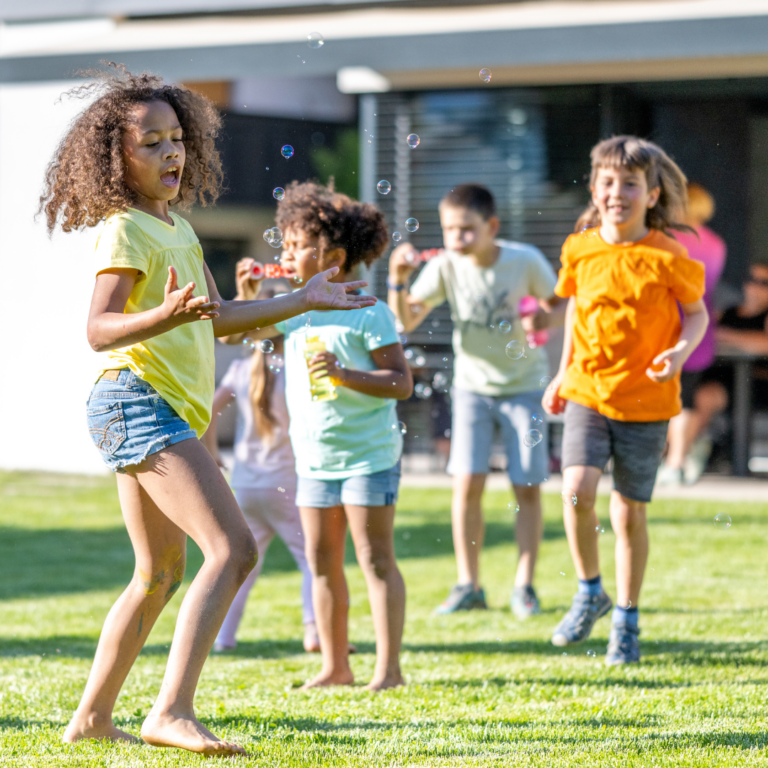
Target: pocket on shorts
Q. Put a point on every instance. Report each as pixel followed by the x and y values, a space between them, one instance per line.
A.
pixel 106 424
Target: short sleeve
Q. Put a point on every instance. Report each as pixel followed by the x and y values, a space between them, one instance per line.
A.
pixel 429 287
pixel 541 276
pixel 282 327
pixel 686 279
pixel 566 279
pixel 379 327
pixel 122 244
pixel 230 377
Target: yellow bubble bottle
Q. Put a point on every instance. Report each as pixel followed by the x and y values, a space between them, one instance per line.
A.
pixel 320 387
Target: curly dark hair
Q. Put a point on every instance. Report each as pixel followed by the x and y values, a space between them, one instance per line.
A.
pixel 336 220
pixel 85 181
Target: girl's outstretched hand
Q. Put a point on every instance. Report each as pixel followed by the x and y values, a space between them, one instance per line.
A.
pixel 323 294
pixel 181 307
pixel 670 361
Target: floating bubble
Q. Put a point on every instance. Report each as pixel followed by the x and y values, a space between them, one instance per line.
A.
pixel 287 151
pixel 403 339
pixel 591 653
pixel 512 507
pixel 722 521
pixel 422 391
pixel 274 236
pixel 420 361
pixel 267 346
pixel 569 498
pixel 296 279
pixel 505 326
pixel 515 350
pixel 278 193
pixel 315 40
pixel 411 224
pixel 413 140
pixel 532 437
pixel 545 381
pixel 384 187
pixel 282 490
pixel 485 75
pixel 397 237
pixel 440 382
pixel 562 573
pixel 247 342
pixel 401 427
pixel 537 419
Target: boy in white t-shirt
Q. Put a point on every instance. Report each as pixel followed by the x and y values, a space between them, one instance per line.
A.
pixel 483 280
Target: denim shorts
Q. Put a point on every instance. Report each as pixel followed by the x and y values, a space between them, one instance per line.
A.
pixel 590 439
pixel 376 490
pixel 128 420
pixel 474 422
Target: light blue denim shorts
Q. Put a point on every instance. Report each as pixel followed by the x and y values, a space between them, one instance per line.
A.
pixel 475 419
pixel 128 420
pixel 376 490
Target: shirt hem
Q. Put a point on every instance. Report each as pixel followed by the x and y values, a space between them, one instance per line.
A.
pixel 343 474
pixel 612 413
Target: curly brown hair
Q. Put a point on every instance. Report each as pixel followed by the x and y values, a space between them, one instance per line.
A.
pixel 336 220
pixel 85 181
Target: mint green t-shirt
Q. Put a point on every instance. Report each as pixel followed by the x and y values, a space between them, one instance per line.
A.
pixel 355 434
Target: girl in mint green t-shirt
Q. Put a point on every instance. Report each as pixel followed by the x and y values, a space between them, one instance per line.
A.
pixel 139 147
pixel 343 376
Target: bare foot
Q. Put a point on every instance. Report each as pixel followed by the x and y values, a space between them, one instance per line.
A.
pixel 381 684
pixel 325 679
pixel 167 730
pixel 87 727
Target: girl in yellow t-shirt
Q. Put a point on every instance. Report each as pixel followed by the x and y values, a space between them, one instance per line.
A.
pixel 624 347
pixel 138 148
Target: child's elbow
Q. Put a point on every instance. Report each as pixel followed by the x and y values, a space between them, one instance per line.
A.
pixel 94 340
pixel 404 388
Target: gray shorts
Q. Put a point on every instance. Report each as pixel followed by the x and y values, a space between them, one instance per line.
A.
pixel 473 423
pixel 590 439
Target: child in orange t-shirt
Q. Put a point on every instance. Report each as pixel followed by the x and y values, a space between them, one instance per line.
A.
pixel 619 373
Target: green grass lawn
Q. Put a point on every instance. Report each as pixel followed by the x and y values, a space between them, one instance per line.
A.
pixel 483 689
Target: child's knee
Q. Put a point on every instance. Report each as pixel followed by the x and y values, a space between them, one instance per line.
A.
pixel 244 556
pixel 377 561
pixel 628 515
pixel 161 577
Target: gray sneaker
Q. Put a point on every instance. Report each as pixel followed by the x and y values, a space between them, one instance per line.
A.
pixel 578 622
pixel 463 598
pixel 623 645
pixel 524 602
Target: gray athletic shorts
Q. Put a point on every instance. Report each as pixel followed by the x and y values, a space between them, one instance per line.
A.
pixel 590 439
pixel 473 422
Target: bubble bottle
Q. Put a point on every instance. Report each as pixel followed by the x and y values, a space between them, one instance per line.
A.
pixel 530 306
pixel 320 387
pixel 259 271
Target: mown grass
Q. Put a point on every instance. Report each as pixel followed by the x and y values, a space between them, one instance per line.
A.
pixel 483 689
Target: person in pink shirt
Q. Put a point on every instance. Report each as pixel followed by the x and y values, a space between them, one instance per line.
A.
pixel 688 450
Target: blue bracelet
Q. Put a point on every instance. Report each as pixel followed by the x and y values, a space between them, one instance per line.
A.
pixel 395 287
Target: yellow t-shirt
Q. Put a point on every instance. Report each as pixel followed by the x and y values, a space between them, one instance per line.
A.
pixel 179 364
pixel 626 314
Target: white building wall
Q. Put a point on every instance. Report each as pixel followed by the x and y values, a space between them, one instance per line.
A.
pixel 46 365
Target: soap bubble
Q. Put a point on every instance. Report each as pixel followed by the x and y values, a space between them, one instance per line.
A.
pixel 591 653
pixel 401 427
pixel 422 391
pixel 545 381
pixel 397 237
pixel 248 342
pixel 384 187
pixel 287 151
pixel 505 326
pixel 537 419
pixel 513 508
pixel 515 350
pixel 274 236
pixel 569 498
pixel 282 490
pixel 440 382
pixel 411 224
pixel 267 346
pixel 413 141
pixel 420 361
pixel 722 521
pixel 403 339
pixel 532 437
pixel 485 75
pixel 315 40
pixel 278 193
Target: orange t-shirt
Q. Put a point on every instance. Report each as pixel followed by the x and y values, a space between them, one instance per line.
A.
pixel 626 314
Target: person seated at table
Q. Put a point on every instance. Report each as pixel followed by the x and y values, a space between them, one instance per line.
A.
pixel 687 447
pixel 746 328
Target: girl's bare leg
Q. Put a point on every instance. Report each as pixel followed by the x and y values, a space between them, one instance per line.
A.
pixel 372 531
pixel 185 483
pixel 629 524
pixel 160 549
pixel 529 528
pixel 325 531
pixel 581 520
